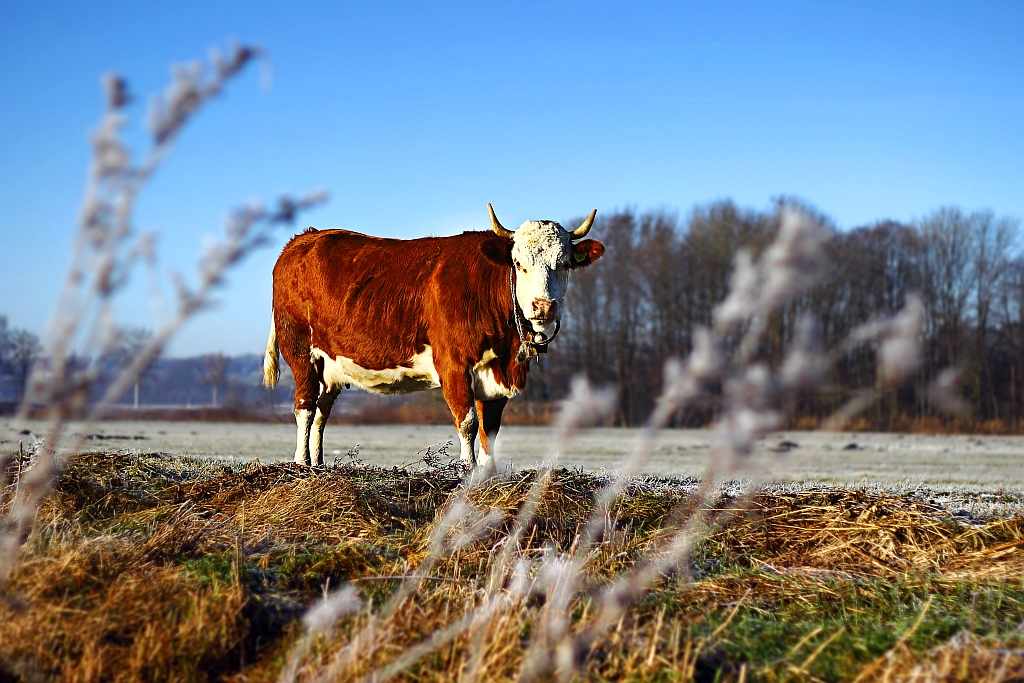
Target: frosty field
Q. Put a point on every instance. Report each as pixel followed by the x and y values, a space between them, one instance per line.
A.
pixel 144 566
pixel 864 557
pixel 844 458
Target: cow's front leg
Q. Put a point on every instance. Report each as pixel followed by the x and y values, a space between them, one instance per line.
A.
pixel 316 435
pixel 303 421
pixel 458 393
pixel 489 415
pixel 467 438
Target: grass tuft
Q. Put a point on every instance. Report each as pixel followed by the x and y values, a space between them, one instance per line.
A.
pixel 160 568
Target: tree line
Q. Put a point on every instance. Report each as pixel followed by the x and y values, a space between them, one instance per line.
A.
pixel 212 379
pixel 662 276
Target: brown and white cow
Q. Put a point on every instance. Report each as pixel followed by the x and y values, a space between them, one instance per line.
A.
pixel 396 316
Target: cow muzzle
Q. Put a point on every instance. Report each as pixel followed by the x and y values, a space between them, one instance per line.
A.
pixel 544 311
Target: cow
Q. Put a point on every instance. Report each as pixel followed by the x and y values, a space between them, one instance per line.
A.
pixel 464 313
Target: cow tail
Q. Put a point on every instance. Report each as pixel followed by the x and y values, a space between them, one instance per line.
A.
pixel 271 370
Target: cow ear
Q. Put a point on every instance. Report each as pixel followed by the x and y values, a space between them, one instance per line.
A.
pixel 586 252
pixel 497 251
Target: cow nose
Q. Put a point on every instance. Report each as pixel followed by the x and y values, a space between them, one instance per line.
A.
pixel 544 309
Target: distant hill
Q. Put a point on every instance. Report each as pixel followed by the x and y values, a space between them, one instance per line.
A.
pixel 183 382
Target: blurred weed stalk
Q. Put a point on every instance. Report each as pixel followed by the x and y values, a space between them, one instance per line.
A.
pixel 107 248
pixel 756 400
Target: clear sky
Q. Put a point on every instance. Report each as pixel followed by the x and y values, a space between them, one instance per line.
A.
pixel 415 115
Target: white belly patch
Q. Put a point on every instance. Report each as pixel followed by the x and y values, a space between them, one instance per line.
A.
pixel 342 372
pixel 485 386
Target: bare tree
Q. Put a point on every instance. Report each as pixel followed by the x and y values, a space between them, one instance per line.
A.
pixel 993 241
pixel 1011 334
pixel 215 373
pixel 130 342
pixel 22 351
pixel 947 266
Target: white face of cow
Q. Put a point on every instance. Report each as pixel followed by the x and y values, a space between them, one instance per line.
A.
pixel 542 257
pixel 542 253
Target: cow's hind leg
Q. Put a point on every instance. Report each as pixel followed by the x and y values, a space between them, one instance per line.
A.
pixel 316 436
pixel 307 389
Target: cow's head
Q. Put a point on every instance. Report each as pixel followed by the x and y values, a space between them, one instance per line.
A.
pixel 542 253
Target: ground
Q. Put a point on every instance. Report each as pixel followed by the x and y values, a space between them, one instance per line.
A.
pixel 157 566
pixel 836 457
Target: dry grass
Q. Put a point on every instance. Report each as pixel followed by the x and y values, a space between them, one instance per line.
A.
pixel 152 567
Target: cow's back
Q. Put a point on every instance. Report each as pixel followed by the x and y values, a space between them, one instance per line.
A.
pixel 374 300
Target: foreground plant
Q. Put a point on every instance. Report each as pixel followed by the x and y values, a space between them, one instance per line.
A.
pixel 107 248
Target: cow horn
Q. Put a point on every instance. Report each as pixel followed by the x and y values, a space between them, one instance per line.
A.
pixel 502 232
pixel 582 231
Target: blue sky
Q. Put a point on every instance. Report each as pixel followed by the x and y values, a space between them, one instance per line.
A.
pixel 415 115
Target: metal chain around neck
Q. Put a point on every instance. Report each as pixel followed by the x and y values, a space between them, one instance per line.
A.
pixel 515 305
